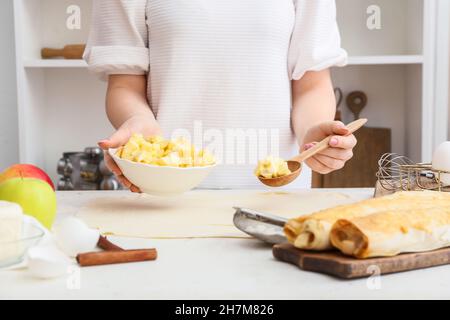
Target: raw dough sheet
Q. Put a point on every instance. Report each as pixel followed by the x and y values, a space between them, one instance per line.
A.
pixel 197 214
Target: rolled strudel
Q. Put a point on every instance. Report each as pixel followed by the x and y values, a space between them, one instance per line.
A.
pixel 389 233
pixel 312 231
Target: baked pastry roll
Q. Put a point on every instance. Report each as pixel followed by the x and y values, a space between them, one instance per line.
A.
pixel 389 233
pixel 312 231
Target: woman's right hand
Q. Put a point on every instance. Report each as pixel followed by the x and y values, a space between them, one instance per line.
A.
pixel 136 124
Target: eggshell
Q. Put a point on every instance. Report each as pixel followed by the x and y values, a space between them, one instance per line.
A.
pixel 441 161
pixel 73 236
pixel 47 262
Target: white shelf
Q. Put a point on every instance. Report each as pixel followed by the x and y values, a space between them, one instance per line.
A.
pixel 353 60
pixel 385 59
pixel 54 63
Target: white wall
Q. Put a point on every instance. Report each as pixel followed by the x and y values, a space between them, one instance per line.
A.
pixel 449 90
pixel 9 153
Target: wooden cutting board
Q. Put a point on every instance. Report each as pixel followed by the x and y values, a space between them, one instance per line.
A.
pixel 336 264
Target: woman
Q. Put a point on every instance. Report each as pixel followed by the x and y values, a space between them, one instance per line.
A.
pixel 243 77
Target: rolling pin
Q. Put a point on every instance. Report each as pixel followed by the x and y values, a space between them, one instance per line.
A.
pixel 71 51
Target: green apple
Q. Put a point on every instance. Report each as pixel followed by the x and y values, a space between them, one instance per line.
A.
pixel 35 196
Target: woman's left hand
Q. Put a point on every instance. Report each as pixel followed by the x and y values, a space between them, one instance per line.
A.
pixel 340 147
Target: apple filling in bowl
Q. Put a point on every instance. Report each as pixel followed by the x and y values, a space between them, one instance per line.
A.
pixel 158 151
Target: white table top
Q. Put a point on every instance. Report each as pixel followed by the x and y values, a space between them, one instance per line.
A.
pixel 213 269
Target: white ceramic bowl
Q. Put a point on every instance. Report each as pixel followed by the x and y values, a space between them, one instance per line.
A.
pixel 160 180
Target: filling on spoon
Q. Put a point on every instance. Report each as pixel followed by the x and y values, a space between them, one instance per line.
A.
pixel 272 167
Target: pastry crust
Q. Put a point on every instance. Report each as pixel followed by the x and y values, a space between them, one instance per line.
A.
pixel 312 231
pixel 389 233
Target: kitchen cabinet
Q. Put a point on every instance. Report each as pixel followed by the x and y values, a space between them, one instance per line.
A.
pixel 400 66
pixel 360 171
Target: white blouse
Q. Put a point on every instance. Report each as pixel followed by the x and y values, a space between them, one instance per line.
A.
pixel 219 71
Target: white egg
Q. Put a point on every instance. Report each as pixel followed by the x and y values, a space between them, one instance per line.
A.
pixel 441 161
pixel 73 236
pixel 47 262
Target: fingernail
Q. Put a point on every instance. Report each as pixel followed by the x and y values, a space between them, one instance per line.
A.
pixel 334 142
pixel 308 146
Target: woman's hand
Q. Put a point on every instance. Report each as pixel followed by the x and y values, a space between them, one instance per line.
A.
pixel 129 112
pixel 143 124
pixel 314 106
pixel 340 146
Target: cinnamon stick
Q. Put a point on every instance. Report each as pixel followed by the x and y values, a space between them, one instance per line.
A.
pixel 107 245
pixel 112 257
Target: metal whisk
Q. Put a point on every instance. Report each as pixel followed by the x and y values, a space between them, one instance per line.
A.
pixel 397 172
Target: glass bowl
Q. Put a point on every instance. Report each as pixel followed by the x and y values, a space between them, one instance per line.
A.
pixel 13 252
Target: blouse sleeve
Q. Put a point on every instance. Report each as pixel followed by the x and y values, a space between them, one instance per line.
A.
pixel 315 42
pixel 118 39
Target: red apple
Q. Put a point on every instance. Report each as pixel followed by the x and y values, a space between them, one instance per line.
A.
pixel 35 196
pixel 25 171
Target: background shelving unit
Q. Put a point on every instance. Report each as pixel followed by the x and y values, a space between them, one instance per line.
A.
pixel 385 59
pixel 56 63
pixel 353 60
pixel 400 67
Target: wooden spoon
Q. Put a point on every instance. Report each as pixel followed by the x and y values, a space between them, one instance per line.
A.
pixel 295 164
pixel 356 102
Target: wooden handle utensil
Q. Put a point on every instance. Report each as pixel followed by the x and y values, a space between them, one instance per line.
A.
pixel 71 51
pixel 322 145
pixel 356 102
pixel 295 164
